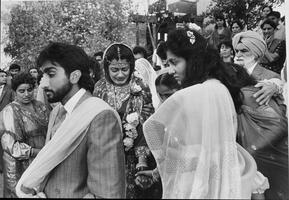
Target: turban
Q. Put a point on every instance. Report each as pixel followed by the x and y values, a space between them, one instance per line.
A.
pixel 252 40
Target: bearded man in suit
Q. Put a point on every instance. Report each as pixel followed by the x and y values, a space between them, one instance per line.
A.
pixel 84 155
pixel 255 123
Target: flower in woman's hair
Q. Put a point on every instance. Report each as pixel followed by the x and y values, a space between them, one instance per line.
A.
pixel 128 143
pixel 192 37
pixel 133 119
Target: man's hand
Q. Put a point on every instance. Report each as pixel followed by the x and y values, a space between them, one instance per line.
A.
pixel 258 196
pixel 267 90
pixel 31 193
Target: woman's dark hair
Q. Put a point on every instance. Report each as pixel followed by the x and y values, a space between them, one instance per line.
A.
pixel 204 62
pixel 40 74
pixel 70 58
pixel 167 80
pixel 219 16
pixel 235 77
pixel 227 43
pixel 99 53
pixel 2 71
pixel 22 78
pixel 274 14
pixel 14 66
pixel 270 22
pixel 118 51
pixel 239 23
pixel 161 50
pixel 34 68
pixel 94 66
pixel 140 50
pixel 267 6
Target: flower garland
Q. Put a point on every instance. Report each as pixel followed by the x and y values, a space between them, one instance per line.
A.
pixel 132 119
pixel 130 124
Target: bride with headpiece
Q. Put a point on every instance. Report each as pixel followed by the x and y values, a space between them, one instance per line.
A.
pixel 123 89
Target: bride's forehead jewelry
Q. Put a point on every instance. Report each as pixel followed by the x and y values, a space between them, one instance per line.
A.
pixel 118 52
pixel 119 62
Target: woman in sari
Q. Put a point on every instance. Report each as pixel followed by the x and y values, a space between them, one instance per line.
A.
pixel 192 135
pixel 148 76
pixel 23 126
pixel 276 53
pixel 220 33
pixel 123 89
pixel 236 27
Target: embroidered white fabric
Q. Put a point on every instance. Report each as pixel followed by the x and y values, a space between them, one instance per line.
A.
pixel 192 136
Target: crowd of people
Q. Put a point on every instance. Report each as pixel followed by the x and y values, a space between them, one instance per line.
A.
pixel 205 118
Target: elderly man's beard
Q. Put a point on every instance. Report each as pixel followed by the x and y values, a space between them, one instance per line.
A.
pixel 244 62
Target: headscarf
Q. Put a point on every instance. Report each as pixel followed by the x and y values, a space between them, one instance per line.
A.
pixel 192 136
pixel 117 51
pixel 252 40
pixel 149 76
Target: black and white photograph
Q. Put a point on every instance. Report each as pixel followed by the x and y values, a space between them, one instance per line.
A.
pixel 144 99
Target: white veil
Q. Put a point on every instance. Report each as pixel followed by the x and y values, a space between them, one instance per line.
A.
pixel 192 136
pixel 149 76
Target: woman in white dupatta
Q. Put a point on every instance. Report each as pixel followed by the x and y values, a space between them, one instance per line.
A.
pixel 148 75
pixel 192 135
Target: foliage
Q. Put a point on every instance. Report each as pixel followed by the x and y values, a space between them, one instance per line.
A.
pixel 157 6
pixel 249 10
pixel 90 24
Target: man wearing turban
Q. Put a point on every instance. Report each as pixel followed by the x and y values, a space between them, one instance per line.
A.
pixel 263 129
pixel 249 47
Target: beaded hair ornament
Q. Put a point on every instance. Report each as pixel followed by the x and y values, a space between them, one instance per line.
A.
pixel 118 61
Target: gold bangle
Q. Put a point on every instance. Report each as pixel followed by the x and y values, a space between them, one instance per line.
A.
pixel 155 175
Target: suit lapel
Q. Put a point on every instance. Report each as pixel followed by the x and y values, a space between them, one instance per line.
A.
pixel 54 113
pixel 258 72
pixel 85 96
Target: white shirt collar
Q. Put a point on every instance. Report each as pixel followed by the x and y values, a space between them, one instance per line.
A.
pixel 251 69
pixel 2 86
pixel 71 103
pixel 1 89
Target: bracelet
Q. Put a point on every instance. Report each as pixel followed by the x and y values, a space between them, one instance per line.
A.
pixel 155 175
